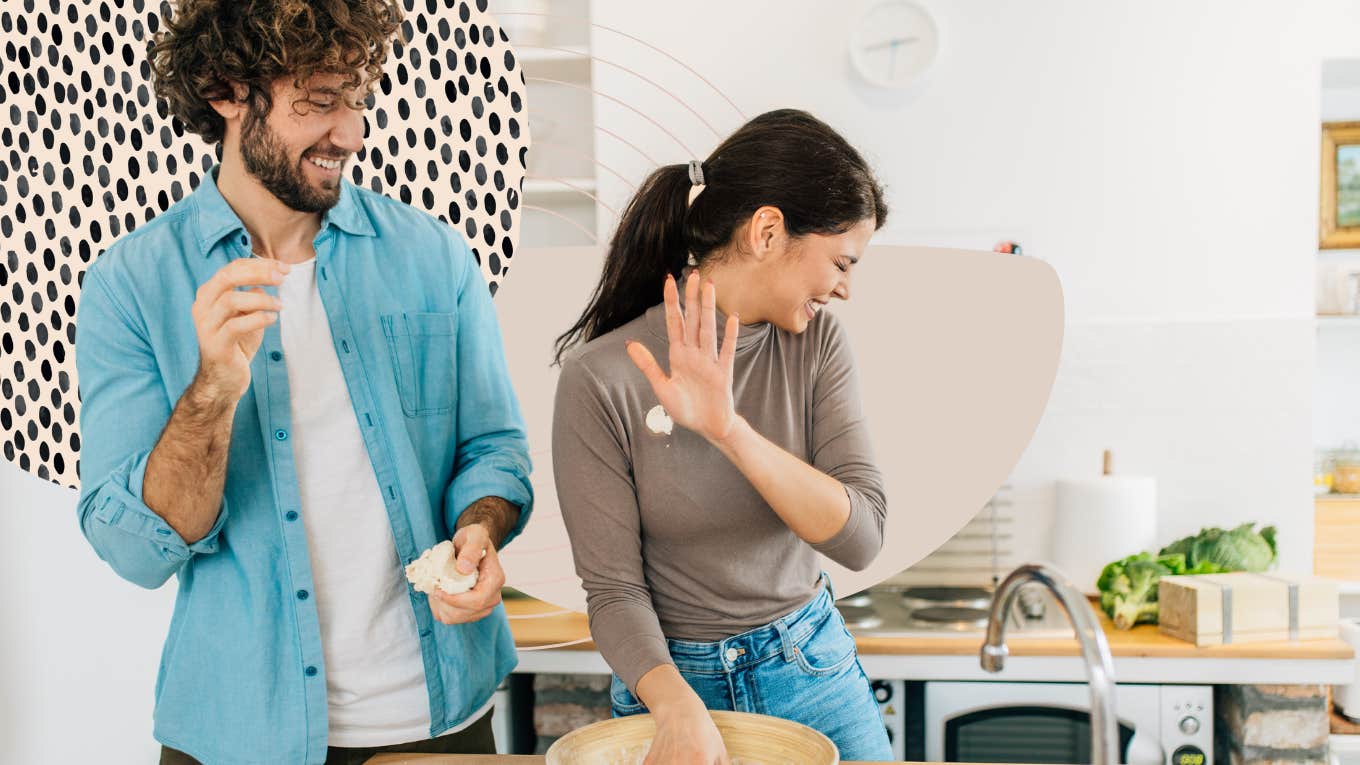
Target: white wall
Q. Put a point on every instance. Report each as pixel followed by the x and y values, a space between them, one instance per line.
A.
pixel 1162 156
pixel 79 647
pixel 1336 411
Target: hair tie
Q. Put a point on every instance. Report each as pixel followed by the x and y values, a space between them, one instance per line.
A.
pixel 696 172
pixel 696 180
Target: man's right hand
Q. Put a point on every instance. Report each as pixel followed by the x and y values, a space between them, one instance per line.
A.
pixel 230 323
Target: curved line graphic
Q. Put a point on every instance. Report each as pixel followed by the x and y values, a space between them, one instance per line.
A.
pixel 543 615
pixel 573 187
pixel 636 74
pixel 637 40
pixel 578 152
pixel 627 143
pixel 578 641
pixel 557 214
pixel 627 106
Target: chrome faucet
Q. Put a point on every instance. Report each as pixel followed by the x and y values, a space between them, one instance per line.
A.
pixel 1095 650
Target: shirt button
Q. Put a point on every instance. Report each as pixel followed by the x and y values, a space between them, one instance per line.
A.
pixel 244 241
pixel 301 594
pixel 281 435
pixel 731 654
pixel 291 515
pixel 275 355
pixel 310 671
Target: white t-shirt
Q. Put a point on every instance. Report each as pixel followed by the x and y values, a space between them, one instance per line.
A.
pixel 375 676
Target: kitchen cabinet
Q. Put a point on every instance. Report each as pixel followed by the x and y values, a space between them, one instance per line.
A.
pixel 1336 537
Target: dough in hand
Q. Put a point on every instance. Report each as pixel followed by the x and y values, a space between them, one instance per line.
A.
pixel 436 567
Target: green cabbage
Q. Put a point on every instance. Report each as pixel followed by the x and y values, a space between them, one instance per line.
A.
pixel 1239 549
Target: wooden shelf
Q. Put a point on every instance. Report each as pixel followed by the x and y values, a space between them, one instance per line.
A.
pixel 566 186
pixel 1338 320
pixel 552 55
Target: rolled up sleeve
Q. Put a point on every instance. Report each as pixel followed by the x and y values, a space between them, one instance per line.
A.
pixel 492 454
pixel 124 408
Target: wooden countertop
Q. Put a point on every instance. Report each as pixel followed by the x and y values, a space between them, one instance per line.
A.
pixel 538 625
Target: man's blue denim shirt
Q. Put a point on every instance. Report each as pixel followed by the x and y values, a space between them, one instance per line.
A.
pixel 242 679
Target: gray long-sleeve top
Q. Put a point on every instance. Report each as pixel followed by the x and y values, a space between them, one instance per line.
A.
pixel 669 538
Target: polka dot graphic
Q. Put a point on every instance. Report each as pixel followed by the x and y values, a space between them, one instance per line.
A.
pixel 88 156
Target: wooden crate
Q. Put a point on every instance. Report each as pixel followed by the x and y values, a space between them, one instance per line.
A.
pixel 1336 537
pixel 1192 608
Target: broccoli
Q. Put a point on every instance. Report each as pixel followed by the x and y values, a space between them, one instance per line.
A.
pixel 1128 587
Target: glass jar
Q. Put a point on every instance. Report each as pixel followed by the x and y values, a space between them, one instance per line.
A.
pixel 1323 472
pixel 1346 470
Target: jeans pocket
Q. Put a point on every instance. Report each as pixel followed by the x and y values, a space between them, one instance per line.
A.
pixel 424 349
pixel 622 700
pixel 828 650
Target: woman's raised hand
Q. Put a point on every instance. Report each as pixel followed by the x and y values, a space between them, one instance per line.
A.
pixel 698 393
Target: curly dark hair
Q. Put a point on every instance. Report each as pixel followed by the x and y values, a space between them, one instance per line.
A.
pixel 207 46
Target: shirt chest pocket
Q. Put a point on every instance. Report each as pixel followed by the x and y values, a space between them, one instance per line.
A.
pixel 424 357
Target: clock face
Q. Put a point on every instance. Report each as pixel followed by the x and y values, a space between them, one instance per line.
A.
pixel 894 42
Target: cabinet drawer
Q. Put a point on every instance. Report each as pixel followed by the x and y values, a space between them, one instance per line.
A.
pixel 1336 538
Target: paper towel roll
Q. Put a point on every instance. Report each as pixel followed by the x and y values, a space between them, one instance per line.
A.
pixel 1099 520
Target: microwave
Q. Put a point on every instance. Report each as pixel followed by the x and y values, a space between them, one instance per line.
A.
pixel 1000 722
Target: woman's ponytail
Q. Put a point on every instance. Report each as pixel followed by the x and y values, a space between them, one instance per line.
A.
pixel 648 244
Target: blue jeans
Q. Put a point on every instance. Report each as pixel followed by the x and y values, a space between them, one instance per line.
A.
pixel 801 667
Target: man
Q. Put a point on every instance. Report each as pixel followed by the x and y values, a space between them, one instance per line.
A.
pixel 292 387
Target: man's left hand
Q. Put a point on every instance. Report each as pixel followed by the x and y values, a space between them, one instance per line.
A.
pixel 474 551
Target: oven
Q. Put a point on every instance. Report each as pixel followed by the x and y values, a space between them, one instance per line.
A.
pixel 1050 723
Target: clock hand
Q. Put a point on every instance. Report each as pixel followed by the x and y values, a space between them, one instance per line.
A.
pixel 894 42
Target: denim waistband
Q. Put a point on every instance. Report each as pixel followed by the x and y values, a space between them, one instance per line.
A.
pixel 758 644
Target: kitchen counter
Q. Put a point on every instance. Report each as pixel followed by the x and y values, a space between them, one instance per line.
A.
pixel 553 640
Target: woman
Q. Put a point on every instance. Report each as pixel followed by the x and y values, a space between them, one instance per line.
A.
pixel 697 495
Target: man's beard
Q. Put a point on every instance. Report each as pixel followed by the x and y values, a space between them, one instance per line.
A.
pixel 266 158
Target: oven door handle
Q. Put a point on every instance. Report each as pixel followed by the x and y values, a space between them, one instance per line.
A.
pixel 1144 750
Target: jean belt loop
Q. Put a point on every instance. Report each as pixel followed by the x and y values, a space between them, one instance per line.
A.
pixel 826 579
pixel 785 642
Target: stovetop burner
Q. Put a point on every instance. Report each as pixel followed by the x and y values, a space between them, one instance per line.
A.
pixel 863 621
pixel 890 611
pixel 948 594
pixel 862 600
pixel 917 598
pixel 950 618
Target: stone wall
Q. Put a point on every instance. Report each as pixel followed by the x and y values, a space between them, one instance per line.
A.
pixel 1270 724
pixel 563 703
